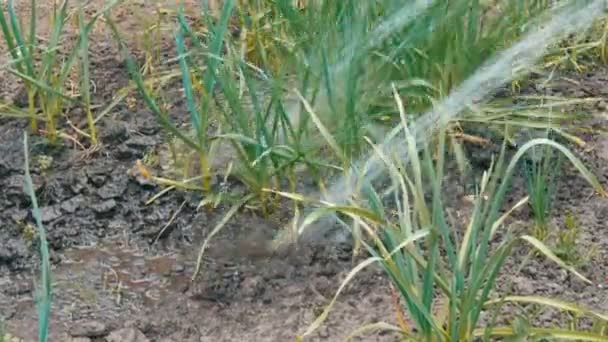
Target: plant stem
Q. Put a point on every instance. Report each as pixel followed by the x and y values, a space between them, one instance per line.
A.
pixel 205 172
pixel 31 97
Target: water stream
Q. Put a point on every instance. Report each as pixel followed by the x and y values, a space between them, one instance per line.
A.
pixel 566 18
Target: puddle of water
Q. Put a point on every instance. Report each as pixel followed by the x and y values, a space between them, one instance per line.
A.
pixel 126 271
pixel 106 283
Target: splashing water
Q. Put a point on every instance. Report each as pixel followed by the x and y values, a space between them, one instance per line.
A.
pixel 565 19
pixel 383 31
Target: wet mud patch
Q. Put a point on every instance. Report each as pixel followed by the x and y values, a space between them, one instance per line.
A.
pixel 108 273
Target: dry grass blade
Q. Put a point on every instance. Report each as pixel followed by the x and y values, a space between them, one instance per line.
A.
pixel 549 254
pixel 558 334
pixel 551 302
pixel 379 326
pixel 507 214
pixel 233 210
pixel 329 138
pixel 319 320
pixel 162 231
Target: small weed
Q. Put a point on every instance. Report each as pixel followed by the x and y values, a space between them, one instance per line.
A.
pixel 44 163
pixel 29 233
pixel 5 337
pixel 113 284
pixel 131 102
pixel 566 246
pixel 150 158
pixel 151 40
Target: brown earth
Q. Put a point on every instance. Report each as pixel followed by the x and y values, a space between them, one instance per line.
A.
pixel 109 274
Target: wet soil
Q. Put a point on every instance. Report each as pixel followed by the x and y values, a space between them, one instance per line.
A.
pixel 112 269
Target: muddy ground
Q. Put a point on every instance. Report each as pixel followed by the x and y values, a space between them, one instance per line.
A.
pixel 109 273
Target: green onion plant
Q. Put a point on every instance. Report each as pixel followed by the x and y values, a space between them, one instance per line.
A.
pixel 44 291
pixel 244 77
pixel 229 101
pixel 44 70
pixel 446 279
pixel 541 170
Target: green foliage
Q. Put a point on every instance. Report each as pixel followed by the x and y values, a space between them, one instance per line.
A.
pixel 247 89
pixel 566 239
pixel 444 279
pixel 567 247
pixel 44 292
pixel 45 71
pixel 355 50
pixel 298 84
pixel 541 169
pixel 247 109
pixel 198 115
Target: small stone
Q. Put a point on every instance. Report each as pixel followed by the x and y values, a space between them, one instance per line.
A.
pixel 97 180
pixel 104 207
pixel 293 290
pixel 124 152
pixel 178 268
pixel 577 285
pixel 88 329
pixel 553 287
pixel 98 174
pixel 149 127
pixel 127 335
pixel 5 168
pixel 72 204
pixel 50 213
pixel 523 286
pixel 117 224
pixel 78 182
pixel 113 189
pixel 181 286
pixel 322 284
pixel 116 132
pixel 56 188
pixel 252 286
pixel 15 185
pixel 601 214
pixel 9 313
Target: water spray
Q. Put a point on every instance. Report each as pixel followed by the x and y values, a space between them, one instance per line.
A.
pixel 566 18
